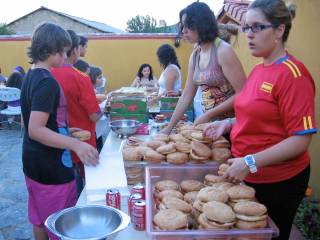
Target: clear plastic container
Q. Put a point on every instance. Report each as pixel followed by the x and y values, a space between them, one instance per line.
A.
pixel 156 173
pixel 135 170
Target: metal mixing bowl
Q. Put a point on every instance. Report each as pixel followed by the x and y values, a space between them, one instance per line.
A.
pixel 124 128
pixel 90 222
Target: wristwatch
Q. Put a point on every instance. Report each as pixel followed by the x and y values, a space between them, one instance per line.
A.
pixel 251 163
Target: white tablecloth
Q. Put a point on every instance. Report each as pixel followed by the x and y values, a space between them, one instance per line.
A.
pixel 102 126
pixel 109 173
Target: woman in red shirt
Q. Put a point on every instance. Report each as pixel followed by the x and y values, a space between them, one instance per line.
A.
pixel 275 117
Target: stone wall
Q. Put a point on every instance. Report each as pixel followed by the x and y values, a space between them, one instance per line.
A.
pixel 27 24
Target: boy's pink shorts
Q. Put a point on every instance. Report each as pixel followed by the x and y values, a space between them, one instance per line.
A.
pixel 47 199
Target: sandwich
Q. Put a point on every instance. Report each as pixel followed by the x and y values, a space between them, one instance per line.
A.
pixel 250 215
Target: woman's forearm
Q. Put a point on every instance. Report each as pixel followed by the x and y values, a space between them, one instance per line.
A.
pixel 180 109
pixel 283 151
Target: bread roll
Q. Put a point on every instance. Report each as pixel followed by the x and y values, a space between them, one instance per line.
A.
pixel 82 135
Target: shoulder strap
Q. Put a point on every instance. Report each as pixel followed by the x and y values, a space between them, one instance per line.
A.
pixel 195 57
pixel 217 42
pixel 216 45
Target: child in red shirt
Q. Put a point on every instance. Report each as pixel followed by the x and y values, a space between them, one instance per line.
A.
pixel 83 108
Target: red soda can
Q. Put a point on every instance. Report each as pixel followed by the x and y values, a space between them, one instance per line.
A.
pixel 132 199
pixel 139 215
pixel 113 198
pixel 139 188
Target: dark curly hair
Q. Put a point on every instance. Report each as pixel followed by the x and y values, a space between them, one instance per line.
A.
pixel 47 39
pixel 139 73
pixel 200 18
pixel 167 55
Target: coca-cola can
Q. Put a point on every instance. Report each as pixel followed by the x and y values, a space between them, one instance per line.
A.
pixel 132 199
pixel 139 215
pixel 139 188
pixel 113 198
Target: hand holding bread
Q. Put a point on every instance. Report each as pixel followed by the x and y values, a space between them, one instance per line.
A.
pixel 82 135
pixel 216 129
pixel 237 171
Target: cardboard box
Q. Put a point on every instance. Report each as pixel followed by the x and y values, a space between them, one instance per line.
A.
pixel 168 114
pixel 170 103
pixel 129 106
pixel 142 118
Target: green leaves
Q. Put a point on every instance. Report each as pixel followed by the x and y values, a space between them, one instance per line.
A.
pixel 145 24
pixel 307 218
pixel 4 30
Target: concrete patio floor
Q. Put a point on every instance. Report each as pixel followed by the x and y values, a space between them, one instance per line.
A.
pixel 14 224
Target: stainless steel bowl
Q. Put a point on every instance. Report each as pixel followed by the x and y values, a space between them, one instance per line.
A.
pixel 90 222
pixel 124 128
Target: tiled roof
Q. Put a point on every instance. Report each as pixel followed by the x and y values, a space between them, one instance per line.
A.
pixel 233 11
pixel 93 24
pixel 98 25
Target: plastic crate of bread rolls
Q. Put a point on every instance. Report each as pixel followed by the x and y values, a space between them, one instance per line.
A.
pixel 193 202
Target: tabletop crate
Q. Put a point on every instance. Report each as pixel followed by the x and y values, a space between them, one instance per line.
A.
pixel 178 173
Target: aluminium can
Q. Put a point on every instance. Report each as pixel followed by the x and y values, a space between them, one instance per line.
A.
pixel 139 215
pixel 132 199
pixel 113 198
pixel 139 188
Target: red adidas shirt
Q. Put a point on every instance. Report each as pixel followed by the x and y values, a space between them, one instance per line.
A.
pixel 81 100
pixel 276 102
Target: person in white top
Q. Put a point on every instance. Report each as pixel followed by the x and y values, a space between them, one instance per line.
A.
pixel 145 78
pixel 170 78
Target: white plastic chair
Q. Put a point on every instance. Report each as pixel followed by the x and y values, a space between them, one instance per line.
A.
pixel 10 95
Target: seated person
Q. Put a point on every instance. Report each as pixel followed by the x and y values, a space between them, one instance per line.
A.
pixel 19 69
pixel 15 80
pixel 3 79
pixel 145 78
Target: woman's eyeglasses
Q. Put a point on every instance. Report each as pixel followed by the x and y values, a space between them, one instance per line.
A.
pixel 256 27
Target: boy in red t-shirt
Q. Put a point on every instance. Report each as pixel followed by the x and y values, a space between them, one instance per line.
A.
pixel 83 108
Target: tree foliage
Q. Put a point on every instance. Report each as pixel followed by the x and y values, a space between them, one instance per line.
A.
pixel 4 30
pixel 307 218
pixel 145 24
